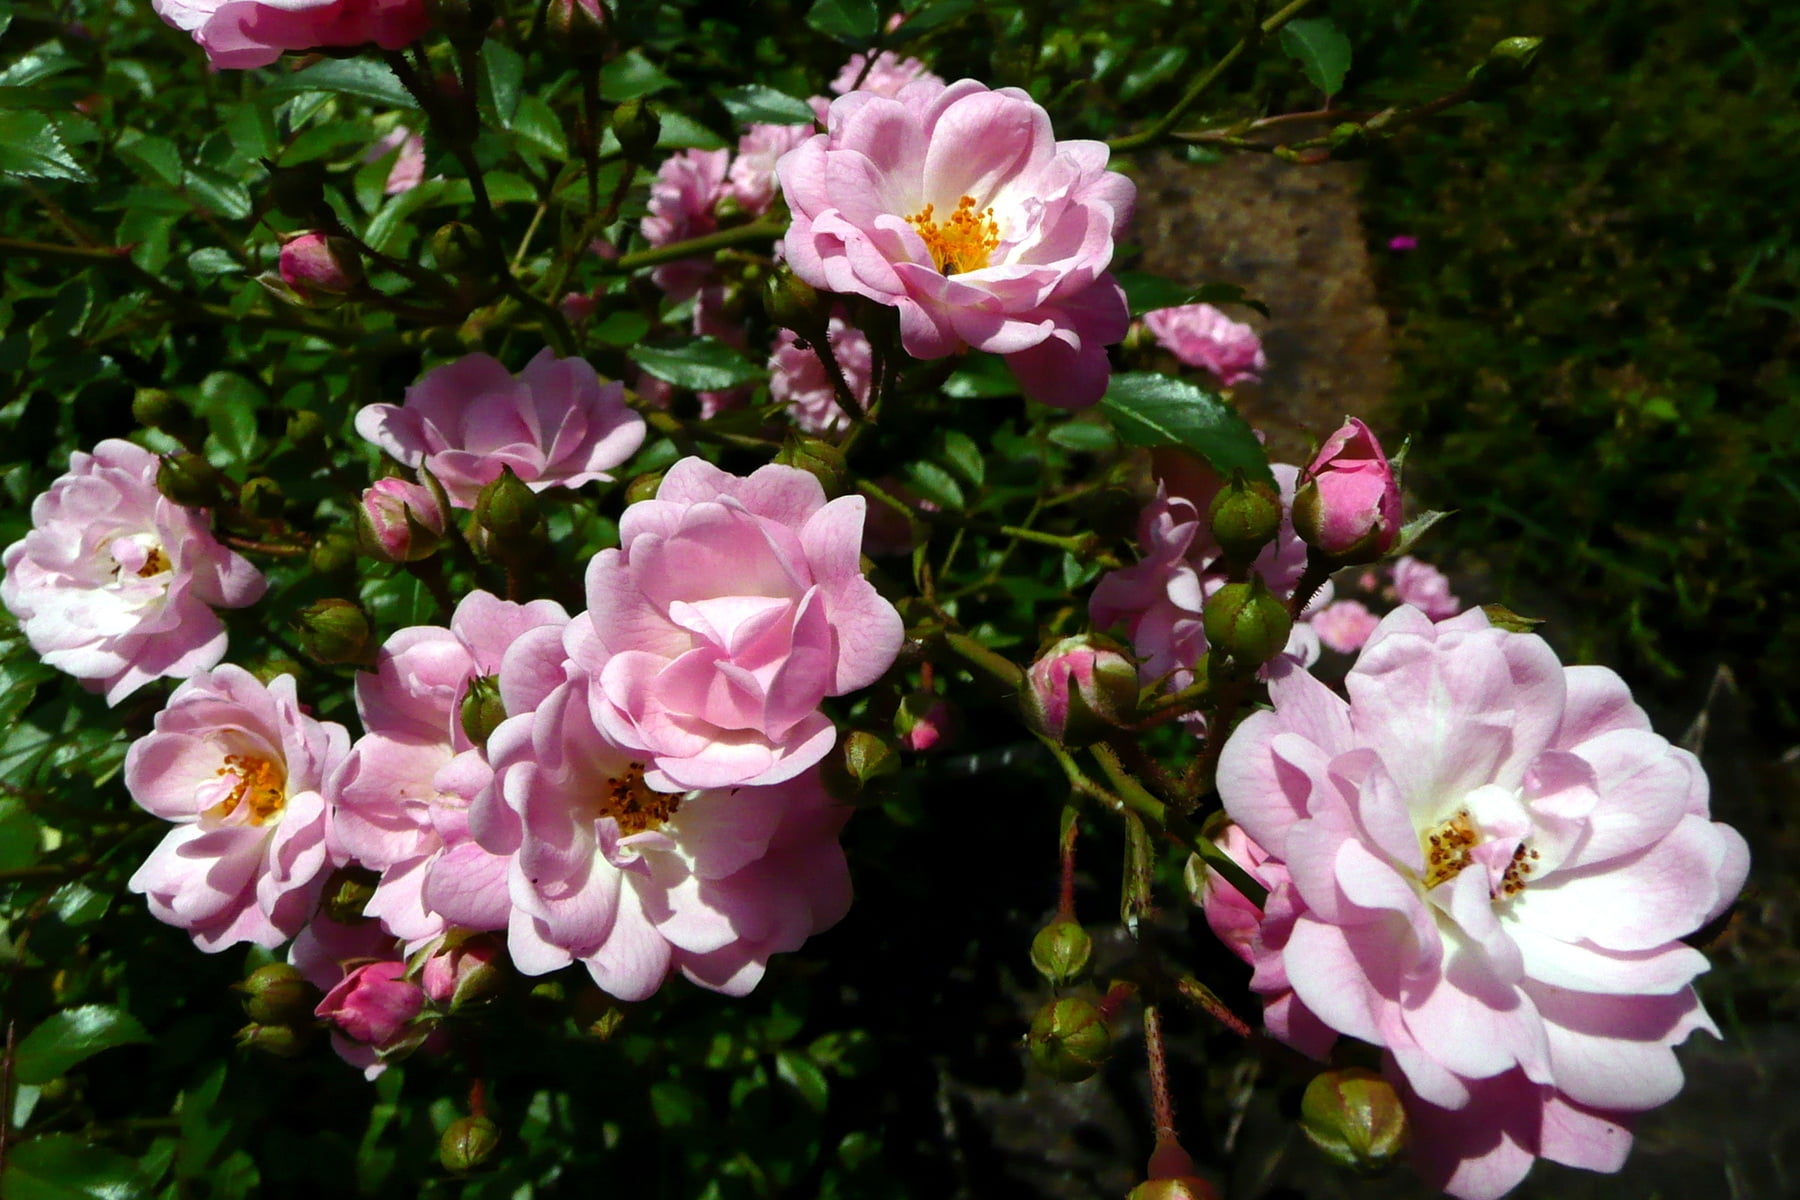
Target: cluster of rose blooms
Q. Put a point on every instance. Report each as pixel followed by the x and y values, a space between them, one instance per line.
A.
pixel 1477 860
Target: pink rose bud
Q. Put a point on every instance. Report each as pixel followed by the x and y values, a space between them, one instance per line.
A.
pixel 400 521
pixel 314 264
pixel 373 1004
pixel 467 973
pixel 1078 689
pixel 924 721
pixel 1348 505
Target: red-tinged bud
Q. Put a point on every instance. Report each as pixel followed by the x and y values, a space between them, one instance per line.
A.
pixel 400 521
pixel 461 975
pixel 1069 1040
pixel 1356 1118
pixel 1348 505
pixel 468 1144
pixel 643 487
pixel 277 994
pixel 1178 1187
pixel 924 722
pixel 1080 689
pixel 1061 951
pixel 317 265
pixel 373 1004
pixel 1247 621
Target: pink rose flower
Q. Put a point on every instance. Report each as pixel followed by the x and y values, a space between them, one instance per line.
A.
pixel 242 771
pixel 957 206
pixel 403 792
pixel 1492 863
pixel 238 34
pixel 731 608
pixel 684 202
pixel 117 585
pixel 1348 505
pixel 402 521
pixel 556 424
pixel 632 882
pixel 797 377
pixel 1344 625
pixel 1425 588
pixel 408 169
pixel 751 180
pixel 1202 336
pixel 885 77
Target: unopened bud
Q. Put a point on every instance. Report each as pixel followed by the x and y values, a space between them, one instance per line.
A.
pixel 1069 1040
pixel 869 756
pixel 792 303
pixel 468 1144
pixel 334 631
pixel 1079 690
pixel 156 409
pixel 1060 952
pixel 1177 1187
pixel 277 994
pixel 262 497
pixel 482 709
pixel 1355 1117
pixel 305 428
pixel 346 892
pixel 508 509
pixel 643 487
pixel 634 123
pixel 457 977
pixel 189 480
pixel 400 522
pixel 821 460
pixel 924 721
pixel 281 1041
pixel 1511 62
pixel 458 247
pixel 1247 621
pixel 1245 517
pixel 1348 506
pixel 318 265
pixel 333 554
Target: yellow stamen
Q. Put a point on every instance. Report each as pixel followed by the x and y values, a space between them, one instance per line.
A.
pixel 1447 848
pixel 633 805
pixel 155 563
pixel 966 241
pixel 261 789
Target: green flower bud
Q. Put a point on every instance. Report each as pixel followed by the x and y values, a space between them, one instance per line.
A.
pixel 1511 62
pixel 281 1041
pixel 333 554
pixel 508 510
pixel 1245 517
pixel 869 756
pixel 1069 1040
pixel 334 631
pixel 634 123
pixel 1180 1187
pixel 457 247
pixel 156 409
pixel 821 460
pixel 1247 621
pixel 643 487
pixel 482 709
pixel 1060 952
pixel 262 497
pixel 190 481
pixel 578 29
pixel 468 1144
pixel 1355 1117
pixel 305 428
pixel 277 994
pixel 792 303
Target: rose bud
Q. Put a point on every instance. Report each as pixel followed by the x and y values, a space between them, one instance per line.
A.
pixel 468 1144
pixel 1247 621
pixel 460 976
pixel 279 1041
pixel 315 264
pixel 373 1004
pixel 1348 505
pixel 924 721
pixel 400 521
pixel 276 994
pixel 1069 1040
pixel 1355 1117
pixel 1245 517
pixel 1060 952
pixel 334 631
pixel 482 709
pixel 1078 689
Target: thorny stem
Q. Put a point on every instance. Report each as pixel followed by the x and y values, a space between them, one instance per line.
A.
pixel 1160 128
pixel 1202 997
pixel 1071 833
pixel 1162 1104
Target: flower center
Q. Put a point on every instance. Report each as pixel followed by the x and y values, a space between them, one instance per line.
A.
pixel 259 791
pixel 633 805
pixel 964 241
pixel 155 563
pixel 1448 848
pixel 1518 872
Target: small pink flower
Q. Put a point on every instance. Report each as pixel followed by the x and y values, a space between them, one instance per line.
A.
pixel 1402 243
pixel 404 520
pixel 556 424
pixel 243 773
pixel 1348 505
pixel 632 882
pixel 885 77
pixel 751 180
pixel 403 793
pixel 957 206
pixel 731 608
pixel 316 264
pixel 1425 588
pixel 238 34
pixel 684 202
pixel 1202 336
pixel 117 585
pixel 1344 625
pixel 1491 863
pixel 797 378
pixel 408 169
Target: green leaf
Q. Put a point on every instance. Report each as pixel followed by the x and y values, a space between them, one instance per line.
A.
pixel 1083 436
pixel 682 132
pixel 630 76
pixel 674 1104
pixel 71 1037
pixel 704 365
pixel 18 835
pixel 936 485
pixel 212 260
pixel 228 404
pixel 981 377
pixel 63 1167
pixel 502 79
pixel 930 18
pixel 621 328
pixel 252 130
pixel 1154 410
pixel 536 123
pixel 1147 293
pixel 217 193
pixel 157 156
pixel 76 903
pixel 801 1074
pixel 362 77
pixel 758 105
pixel 1321 49
pixel 849 21
pixel 963 456
pixel 31 146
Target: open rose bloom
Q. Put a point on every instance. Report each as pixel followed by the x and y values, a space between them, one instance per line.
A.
pixel 556 424
pixel 1486 862
pixel 115 584
pixel 253 33
pixel 243 774
pixel 957 206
